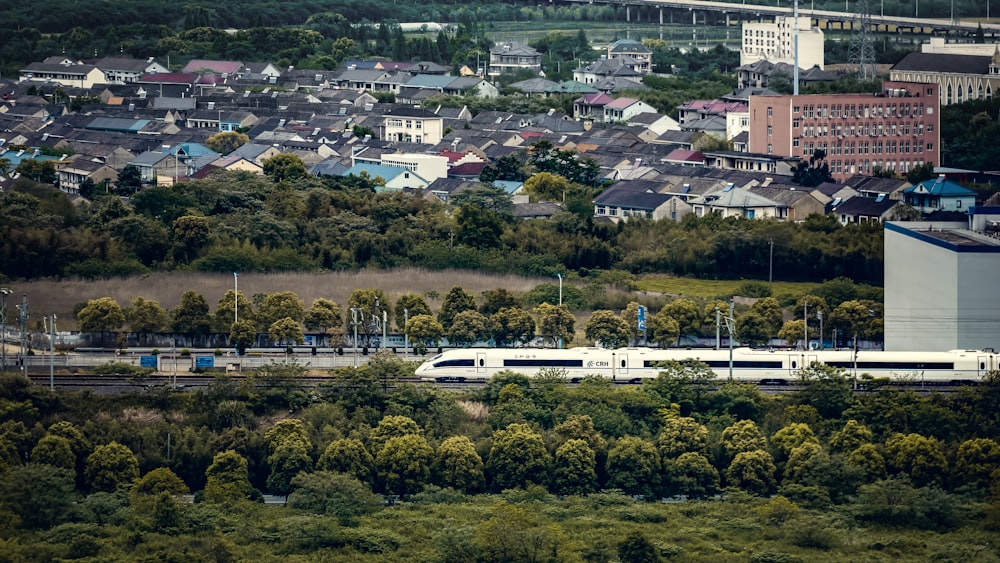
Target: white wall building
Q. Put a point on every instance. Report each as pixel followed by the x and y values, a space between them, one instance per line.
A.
pixel 775 42
pixel 430 167
pixel 940 287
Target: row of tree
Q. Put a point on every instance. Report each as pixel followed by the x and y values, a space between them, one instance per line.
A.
pixel 500 318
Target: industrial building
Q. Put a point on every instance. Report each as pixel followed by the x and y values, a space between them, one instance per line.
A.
pixel 941 282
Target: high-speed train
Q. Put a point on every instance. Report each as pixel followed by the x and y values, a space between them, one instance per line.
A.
pixel 749 365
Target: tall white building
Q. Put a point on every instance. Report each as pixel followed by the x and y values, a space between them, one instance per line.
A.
pixel 775 42
pixel 941 287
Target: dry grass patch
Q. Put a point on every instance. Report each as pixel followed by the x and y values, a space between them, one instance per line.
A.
pixel 141 416
pixel 475 410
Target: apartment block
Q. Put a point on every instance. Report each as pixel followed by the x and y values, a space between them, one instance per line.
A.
pixel 895 129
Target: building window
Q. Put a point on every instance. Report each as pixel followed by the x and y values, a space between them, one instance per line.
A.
pixel 770 111
pixel 770 130
pixel 770 149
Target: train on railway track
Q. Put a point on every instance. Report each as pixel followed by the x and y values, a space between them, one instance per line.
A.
pixel 766 367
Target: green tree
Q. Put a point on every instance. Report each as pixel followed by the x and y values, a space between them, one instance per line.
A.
pixel 814 172
pixel 277 306
pixel 790 437
pixel 868 458
pixel 159 480
pixel 226 311
pixel 191 316
pixel 607 328
pixel 101 315
pixel 681 435
pixel 467 328
pixel 511 326
pixel 458 465
pixel 806 464
pixel 288 458
pixel 686 313
pixel 323 315
pixel 518 458
pixel 286 331
pixel 146 316
pixel 827 389
pixel 456 301
pixel 348 456
pixel 636 548
pixel 753 330
pixel 225 142
pixel 228 478
pixel 753 471
pixel 285 166
pixel 410 305
pixel 403 464
pixel 977 461
pixel 634 466
pixel 478 227
pixel 512 535
pixel 496 299
pixel 575 470
pixel 41 495
pixel 424 330
pixel 690 474
pixel 334 494
pixel 242 335
pixel 129 180
pixel 663 329
pixel 920 457
pixel 853 318
pixel 54 450
pixel 851 437
pixel 110 467
pixel 488 197
pixel 189 234
pixel 581 427
pixel 742 436
pixel 555 323
pixel 392 426
pixel 545 186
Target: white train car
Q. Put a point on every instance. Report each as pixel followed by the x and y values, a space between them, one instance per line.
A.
pixel 757 366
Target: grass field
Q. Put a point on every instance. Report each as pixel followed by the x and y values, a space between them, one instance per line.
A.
pixel 708 289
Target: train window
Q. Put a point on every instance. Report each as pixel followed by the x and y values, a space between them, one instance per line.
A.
pixel 482 362
pixel 455 364
pixel 543 363
pixel 794 364
pixel 982 365
pixel 893 365
pixel 623 364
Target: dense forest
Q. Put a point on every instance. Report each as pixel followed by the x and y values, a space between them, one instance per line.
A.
pixel 288 220
pixel 517 470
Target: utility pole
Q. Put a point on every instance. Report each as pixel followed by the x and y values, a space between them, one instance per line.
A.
pixel 805 325
pixel 52 352
pixel 354 317
pixel 819 315
pixel 731 324
pixel 4 292
pixel 560 303
pixel 406 335
pixel 718 328
pixel 22 316
pixel 770 262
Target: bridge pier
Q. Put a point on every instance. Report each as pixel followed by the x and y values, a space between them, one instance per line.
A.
pixel 661 16
pixel 694 17
pixel 628 13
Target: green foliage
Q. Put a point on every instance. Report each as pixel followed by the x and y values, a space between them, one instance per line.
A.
pixel 335 494
pixel 110 467
pixel 517 458
pixel 458 465
pixel 40 495
pixel 101 315
pixel 634 466
pixel 228 478
pixel 403 464
pixel 607 329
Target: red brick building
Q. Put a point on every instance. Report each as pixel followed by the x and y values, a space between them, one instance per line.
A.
pixel 895 129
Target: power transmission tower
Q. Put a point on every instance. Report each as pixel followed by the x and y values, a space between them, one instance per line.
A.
pixel 861 51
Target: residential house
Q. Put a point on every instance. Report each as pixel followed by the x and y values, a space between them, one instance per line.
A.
pixel 224 69
pixel 869 210
pixel 591 106
pixel 654 122
pixel 624 109
pixel 624 200
pixel 603 69
pixel 394 177
pixel 76 171
pixel 61 70
pixel 412 125
pixel 732 201
pixel 758 74
pixel 123 70
pixel 540 210
pixel 640 56
pixel 939 194
pixel 511 56
pixel 795 202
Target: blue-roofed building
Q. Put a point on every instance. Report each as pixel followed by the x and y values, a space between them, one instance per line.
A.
pixel 19 156
pixel 395 178
pixel 939 194
pixel 510 186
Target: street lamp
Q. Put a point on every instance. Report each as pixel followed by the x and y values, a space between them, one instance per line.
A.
pixel 770 262
pixel 560 304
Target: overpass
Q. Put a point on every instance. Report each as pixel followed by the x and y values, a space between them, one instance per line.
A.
pixel 726 12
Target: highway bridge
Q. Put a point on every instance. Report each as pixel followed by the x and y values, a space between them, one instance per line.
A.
pixel 704 12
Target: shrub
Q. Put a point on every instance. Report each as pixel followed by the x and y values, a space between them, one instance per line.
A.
pixel 121 368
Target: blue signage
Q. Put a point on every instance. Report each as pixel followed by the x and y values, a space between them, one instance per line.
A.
pixel 642 318
pixel 148 362
pixel 204 361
